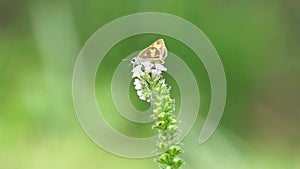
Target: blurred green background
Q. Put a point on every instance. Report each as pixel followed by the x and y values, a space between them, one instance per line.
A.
pixel 258 43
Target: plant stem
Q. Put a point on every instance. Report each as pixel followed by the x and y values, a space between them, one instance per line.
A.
pixel 152 88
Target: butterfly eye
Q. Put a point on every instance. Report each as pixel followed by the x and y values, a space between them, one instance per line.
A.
pixel 133 61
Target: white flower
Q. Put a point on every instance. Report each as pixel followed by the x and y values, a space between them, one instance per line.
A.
pixel 137 71
pixel 138 86
pixel 142 98
pixel 148 66
pixel 140 94
pixel 136 82
pixel 158 69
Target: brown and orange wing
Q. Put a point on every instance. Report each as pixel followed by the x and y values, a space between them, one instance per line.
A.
pixel 149 53
pixel 160 44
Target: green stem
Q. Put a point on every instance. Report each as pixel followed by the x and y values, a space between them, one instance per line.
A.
pixel 155 91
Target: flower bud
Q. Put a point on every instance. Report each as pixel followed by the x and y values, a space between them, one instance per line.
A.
pixel 172 121
pixel 165 158
pixel 172 129
pixel 168 108
pixel 177 162
pixel 174 150
pixel 160 124
pixel 162 116
pixel 162 146
pixel 157 110
pixel 156 89
pixel 158 104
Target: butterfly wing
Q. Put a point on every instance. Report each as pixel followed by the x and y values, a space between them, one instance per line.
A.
pixel 155 53
pixel 160 44
pixel 151 54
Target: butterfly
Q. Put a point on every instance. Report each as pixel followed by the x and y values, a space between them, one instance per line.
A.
pixel 155 53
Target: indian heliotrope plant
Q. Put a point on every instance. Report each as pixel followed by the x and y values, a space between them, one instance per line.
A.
pixel 151 87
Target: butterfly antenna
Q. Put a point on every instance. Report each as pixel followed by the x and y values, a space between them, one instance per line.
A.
pixel 126 59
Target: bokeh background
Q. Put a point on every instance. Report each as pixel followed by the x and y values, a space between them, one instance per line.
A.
pixel 258 43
